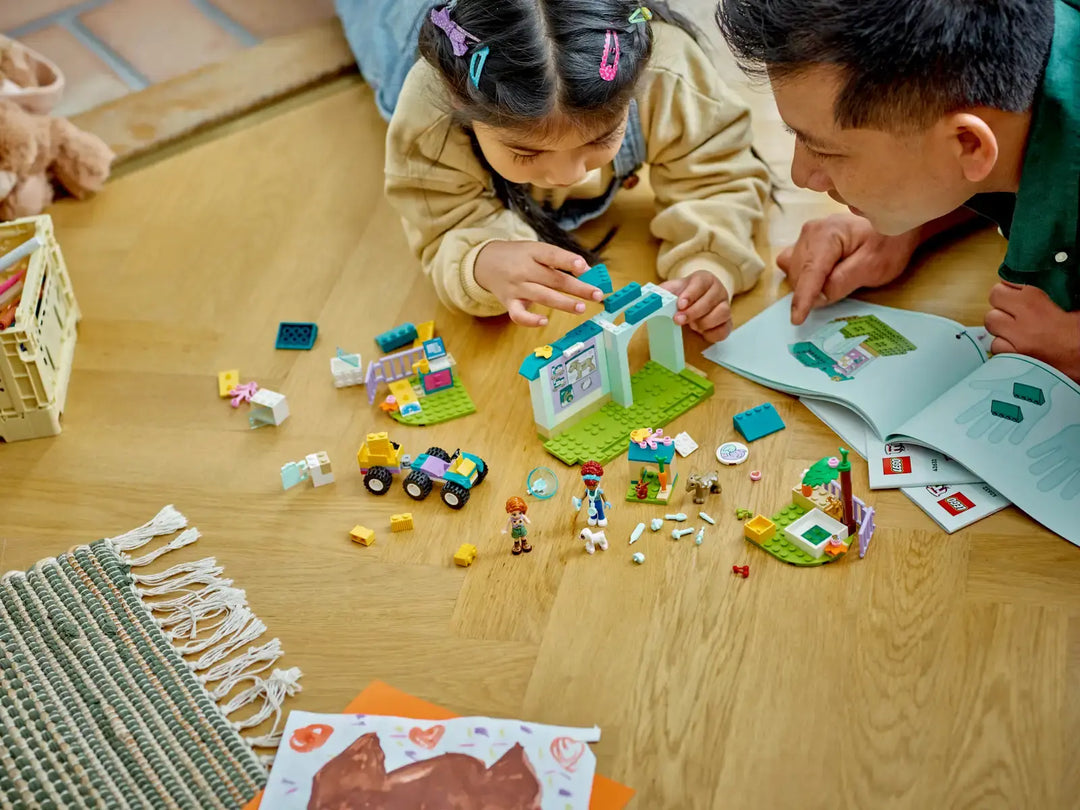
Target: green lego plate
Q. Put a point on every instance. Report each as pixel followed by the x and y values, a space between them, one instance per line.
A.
pixel 442 406
pixel 783 549
pixel 660 396
pixel 653 489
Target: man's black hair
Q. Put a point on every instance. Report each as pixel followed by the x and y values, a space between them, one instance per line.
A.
pixel 902 63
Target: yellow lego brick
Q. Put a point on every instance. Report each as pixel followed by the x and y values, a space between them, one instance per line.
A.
pixel 424 331
pixel 465 554
pixel 402 522
pixel 362 535
pixel 403 391
pixel 226 381
pixel 759 529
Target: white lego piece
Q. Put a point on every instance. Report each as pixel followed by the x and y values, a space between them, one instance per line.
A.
pixel 318 465
pixel 346 374
pixel 815 517
pixel 593 539
pixel 684 445
pixel 636 534
pixel 268 408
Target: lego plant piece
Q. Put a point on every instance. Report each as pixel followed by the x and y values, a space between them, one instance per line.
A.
pixel 755 475
pixel 402 522
pixel 591 474
pixel 743 514
pixel 296 335
pixel 701 485
pixel 732 453
pixel 517 524
pixel 397 337
pixel 541 483
pixel 652 454
pixel 635 535
pixel 459 473
pixel 685 445
pixel 741 570
pixel 465 555
pixel 242 393
pixel 706 518
pixel 638 557
pixel 680 517
pixel 593 540
pixel 656 524
pixel 362 535
pixel 758 422
pixel 268 408
pixel 700 536
pixel 598 276
pixel 346 369
pixel 226 381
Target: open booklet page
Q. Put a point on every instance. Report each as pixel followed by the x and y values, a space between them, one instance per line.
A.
pixel 886 364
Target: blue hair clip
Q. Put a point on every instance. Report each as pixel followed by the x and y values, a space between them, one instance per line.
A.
pixel 476 64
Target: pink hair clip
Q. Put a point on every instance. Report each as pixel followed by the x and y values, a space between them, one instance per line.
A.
pixel 607 72
pixel 454 32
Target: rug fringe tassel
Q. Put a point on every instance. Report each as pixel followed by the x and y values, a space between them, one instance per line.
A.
pixel 185 538
pixel 192 617
pixel 239 669
pixel 179 577
pixel 245 633
pixel 272 691
pixel 167 521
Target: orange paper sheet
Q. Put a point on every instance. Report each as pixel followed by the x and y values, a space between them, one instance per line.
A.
pixel 381 698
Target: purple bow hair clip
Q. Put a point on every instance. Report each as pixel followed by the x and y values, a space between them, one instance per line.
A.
pixel 454 32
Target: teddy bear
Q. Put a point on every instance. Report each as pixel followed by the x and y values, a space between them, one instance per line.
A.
pixel 37 149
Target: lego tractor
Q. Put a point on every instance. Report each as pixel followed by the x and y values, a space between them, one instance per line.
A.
pixel 459 473
pixel 380 459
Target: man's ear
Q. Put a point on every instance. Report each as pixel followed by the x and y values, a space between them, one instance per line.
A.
pixel 974 144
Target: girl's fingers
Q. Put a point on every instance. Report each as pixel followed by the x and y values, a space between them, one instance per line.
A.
pixel 716 333
pixel 559 259
pixel 547 297
pixel 519 314
pixel 705 294
pixel 571 286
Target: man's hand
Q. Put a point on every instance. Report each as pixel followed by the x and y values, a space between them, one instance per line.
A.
pixel 520 274
pixel 1024 320
pixel 837 255
pixel 703 304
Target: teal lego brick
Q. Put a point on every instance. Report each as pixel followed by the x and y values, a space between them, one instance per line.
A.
pixel 442 406
pixel 296 335
pixel 1029 393
pixel 397 337
pixel 758 422
pixel 532 365
pixel 1006 410
pixel 620 298
pixel 598 276
pixel 644 308
pixel 660 396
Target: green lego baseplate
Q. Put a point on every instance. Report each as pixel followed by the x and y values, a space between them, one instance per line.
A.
pixel 442 406
pixel 653 489
pixel 659 395
pixel 783 549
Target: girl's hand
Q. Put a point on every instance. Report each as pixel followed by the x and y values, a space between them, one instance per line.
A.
pixel 523 273
pixel 703 304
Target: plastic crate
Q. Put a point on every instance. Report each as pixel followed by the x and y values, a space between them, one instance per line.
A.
pixel 36 351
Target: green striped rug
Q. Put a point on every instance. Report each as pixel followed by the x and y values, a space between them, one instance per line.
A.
pixel 121 689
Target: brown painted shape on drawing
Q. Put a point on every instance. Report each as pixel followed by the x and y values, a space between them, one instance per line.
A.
pixel 356 779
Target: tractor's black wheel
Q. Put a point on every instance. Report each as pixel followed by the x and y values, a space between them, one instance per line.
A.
pixel 417 485
pixel 438 452
pixel 454 495
pixel 481 473
pixel 378 480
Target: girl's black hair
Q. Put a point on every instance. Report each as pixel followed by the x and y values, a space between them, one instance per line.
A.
pixel 543 58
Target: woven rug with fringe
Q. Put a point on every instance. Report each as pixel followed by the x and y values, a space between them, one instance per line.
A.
pixel 121 688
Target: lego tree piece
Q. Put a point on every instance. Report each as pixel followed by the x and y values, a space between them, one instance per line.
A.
pixel 227 381
pixel 1006 410
pixel 296 335
pixel 397 337
pixel 441 406
pixel 1029 393
pixel 758 422
pixel 268 408
pixel 465 555
pixel 362 535
pixel 659 396
pixel 402 522
pixel 598 276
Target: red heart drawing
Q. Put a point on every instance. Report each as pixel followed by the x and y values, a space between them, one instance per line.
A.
pixel 567 751
pixel 427 739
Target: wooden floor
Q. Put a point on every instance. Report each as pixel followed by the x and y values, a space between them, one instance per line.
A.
pixel 938 672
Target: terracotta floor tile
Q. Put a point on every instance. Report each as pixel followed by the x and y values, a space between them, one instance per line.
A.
pixel 15 13
pixel 270 18
pixel 87 80
pixel 160 38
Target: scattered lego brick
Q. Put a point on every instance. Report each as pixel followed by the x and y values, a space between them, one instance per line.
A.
pixel 741 570
pixel 296 335
pixel 758 422
pixel 362 535
pixel 465 555
pixel 397 337
pixel 598 276
pixel 227 381
pixel 402 522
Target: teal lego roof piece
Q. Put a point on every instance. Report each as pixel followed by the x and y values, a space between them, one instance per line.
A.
pixel 650 455
pixel 532 365
pixel 598 276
